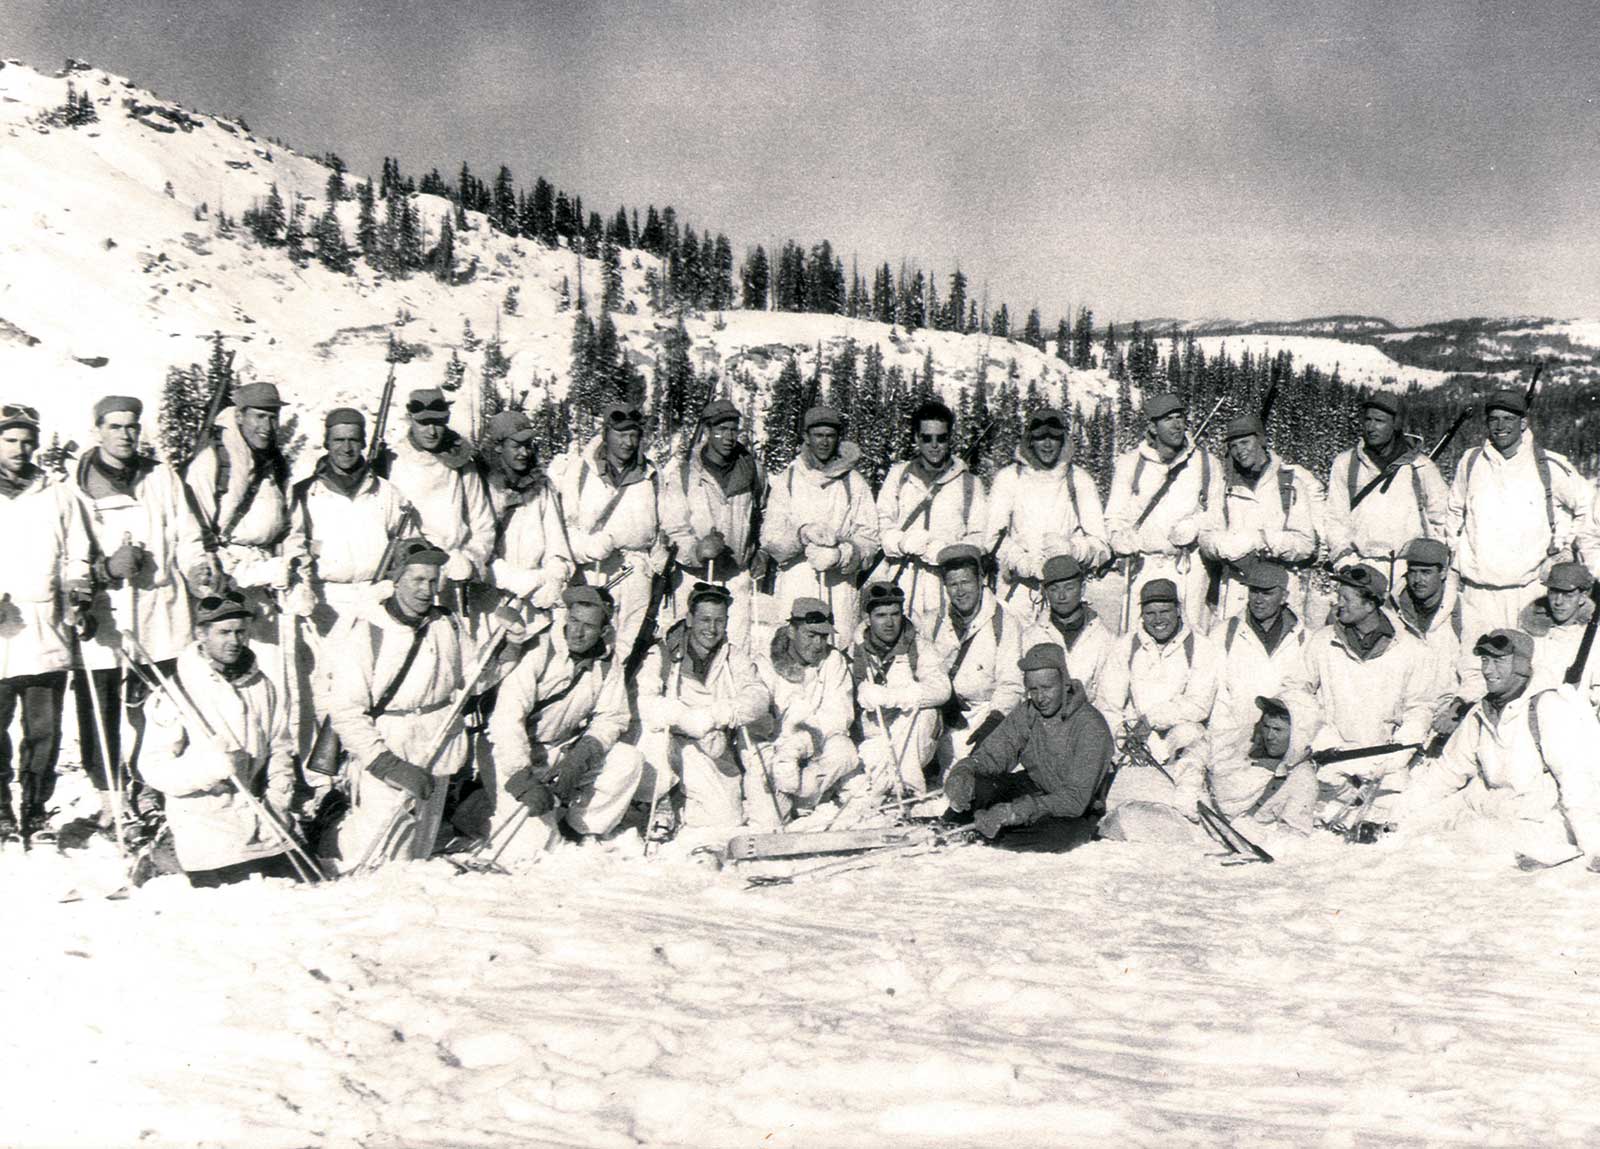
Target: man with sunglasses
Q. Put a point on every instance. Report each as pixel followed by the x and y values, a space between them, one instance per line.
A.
pixel 710 508
pixel 1515 510
pixel 610 494
pixel 1163 492
pixel 927 503
pixel 44 583
pixel 435 470
pixel 1371 524
pixel 1040 506
pixel 821 524
pixel 1522 760
pixel 1372 682
pixel 150 555
pixel 810 750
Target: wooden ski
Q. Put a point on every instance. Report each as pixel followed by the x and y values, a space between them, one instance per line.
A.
pixel 746 847
pixel 1231 837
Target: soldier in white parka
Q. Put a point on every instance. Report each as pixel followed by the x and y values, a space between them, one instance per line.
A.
pixel 1071 624
pixel 821 524
pixel 981 643
pixel 1042 505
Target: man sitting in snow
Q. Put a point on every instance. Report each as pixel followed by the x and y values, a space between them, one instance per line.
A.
pixel 696 691
pixel 1520 759
pixel 221 836
pixel 810 751
pixel 1061 743
pixel 1267 776
pixel 555 729
pixel 900 685
pixel 1160 678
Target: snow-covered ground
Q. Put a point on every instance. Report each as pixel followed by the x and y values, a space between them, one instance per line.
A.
pixel 1360 364
pixel 1397 994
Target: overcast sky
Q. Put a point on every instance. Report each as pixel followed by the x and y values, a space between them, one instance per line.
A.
pixel 1269 160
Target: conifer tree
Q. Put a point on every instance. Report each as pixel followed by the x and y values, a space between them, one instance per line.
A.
pixel 1083 339
pixel 504 216
pixel 842 378
pixel 883 300
pixel 272 218
pixel 593 236
pixel 544 212
pixel 581 391
pixel 619 232
pixel 455 372
pixel 956 303
pixel 294 234
pixel 366 222
pixel 1063 341
pixel 781 425
pixel 1033 330
pixel 332 251
pixel 442 260
pixel 1000 325
pixel 721 269
pixel 184 400
pixel 672 384
pixel 753 278
pixel 408 238
pixel 610 276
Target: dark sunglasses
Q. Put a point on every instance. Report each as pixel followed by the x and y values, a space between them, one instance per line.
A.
pixel 416 408
pixel 945 438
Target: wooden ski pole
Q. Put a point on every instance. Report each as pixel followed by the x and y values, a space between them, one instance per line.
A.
pixel 113 784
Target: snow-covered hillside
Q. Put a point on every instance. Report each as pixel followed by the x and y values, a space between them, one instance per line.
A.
pixel 1360 364
pixel 100 264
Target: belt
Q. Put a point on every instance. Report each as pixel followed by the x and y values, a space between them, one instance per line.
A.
pixel 412 712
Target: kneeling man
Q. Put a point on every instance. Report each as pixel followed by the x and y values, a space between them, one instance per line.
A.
pixel 554 732
pixel 220 835
pixel 1061 743
pixel 811 752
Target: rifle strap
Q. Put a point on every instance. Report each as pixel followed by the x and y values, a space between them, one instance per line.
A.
pixel 418 633
pixel 1274 784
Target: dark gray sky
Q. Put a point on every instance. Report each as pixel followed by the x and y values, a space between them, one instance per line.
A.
pixel 1265 160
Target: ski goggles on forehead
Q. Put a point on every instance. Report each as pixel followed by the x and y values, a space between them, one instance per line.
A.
pixel 415 407
pixel 19 411
pixel 812 618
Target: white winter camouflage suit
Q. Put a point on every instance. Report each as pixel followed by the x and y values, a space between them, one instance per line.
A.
pixel 1166 543
pixel 1042 512
pixel 918 518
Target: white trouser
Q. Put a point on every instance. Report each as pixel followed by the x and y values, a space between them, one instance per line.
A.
pixel 912 739
pixel 1485 608
pixel 713 788
pixel 599 805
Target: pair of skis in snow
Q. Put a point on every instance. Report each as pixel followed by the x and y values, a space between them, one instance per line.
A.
pixel 1241 850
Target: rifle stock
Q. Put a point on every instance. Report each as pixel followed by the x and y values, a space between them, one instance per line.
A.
pixel 380 424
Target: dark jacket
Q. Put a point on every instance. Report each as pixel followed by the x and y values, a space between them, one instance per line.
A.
pixel 1066 756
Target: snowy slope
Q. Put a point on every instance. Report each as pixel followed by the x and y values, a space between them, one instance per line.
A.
pixel 1360 364
pixel 1396 994
pixel 97 261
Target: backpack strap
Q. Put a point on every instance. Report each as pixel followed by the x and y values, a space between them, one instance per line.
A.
pixel 1228 637
pixel 968 482
pixel 1072 496
pixel 1541 463
pixel 1353 478
pixel 1138 469
pixel 1205 478
pixel 1285 490
pixel 1533 725
pixel 1416 493
pixel 381 705
pixel 1188 649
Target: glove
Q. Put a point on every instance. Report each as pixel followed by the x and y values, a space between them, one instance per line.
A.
pixel 819 535
pixel 1126 541
pixel 914 540
pixel 300 601
pixel 546 593
pixel 395 771
pixel 1233 545
pixel 1054 543
pixel 960 785
pixel 581 759
pixel 516 626
pixel 1089 552
pixel 822 558
pixel 871 696
pixel 1184 532
pixel 459 568
pixel 126 560
pixel 1446 717
pixel 714 743
pixel 709 547
pixel 270 570
pixel 992 819
pixel 797 746
pixel 589 548
pixel 691 722
pixel 1284 544
pixel 531 792
pixel 760 562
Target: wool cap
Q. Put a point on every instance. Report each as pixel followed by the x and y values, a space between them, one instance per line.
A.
pixel 1366 579
pixel 344 417
pixel 1569 576
pixel 1044 656
pixel 113 403
pixel 510 425
pixel 1428 552
pixel 1047 418
pixel 882 594
pixel 1383 401
pixel 1272 706
pixel 960 554
pixel 417 552
pixel 1264 574
pixel 596 596
pixel 262 395
pixel 1059 567
pixel 709 592
pixel 216 607
pixel 428 405
pixel 1161 404
pixel 19 415
pixel 812 614
pixel 1517 643
pixel 1241 425
pixel 1506 399
pixel 1158 590
pixel 624 416
pixel 823 416
pixel 719 411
